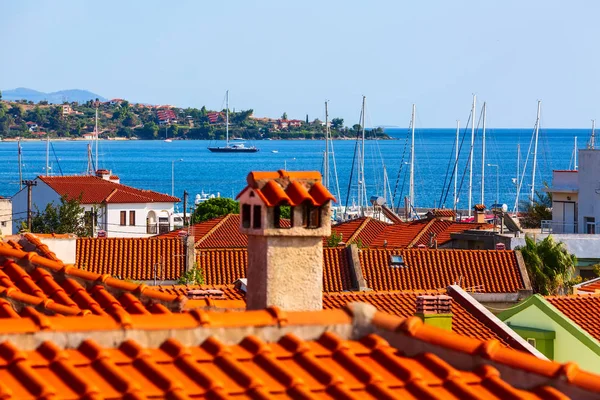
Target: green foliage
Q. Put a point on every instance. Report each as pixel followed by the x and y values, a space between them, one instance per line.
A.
pixel 549 265
pixel 537 211
pixel 213 208
pixel 284 116
pixel 194 276
pixel 337 123
pixel 334 239
pixel 67 217
pixel 286 212
pixel 359 243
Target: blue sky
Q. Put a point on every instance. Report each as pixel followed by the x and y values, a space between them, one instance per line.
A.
pixel 277 56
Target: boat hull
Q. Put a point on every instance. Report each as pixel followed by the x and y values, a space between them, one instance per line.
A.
pixel 232 150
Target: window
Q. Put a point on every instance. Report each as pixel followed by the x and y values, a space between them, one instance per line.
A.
pixel 277 216
pixel 311 217
pixel 256 217
pixel 590 225
pixel 396 261
pixel 246 215
pixel 531 341
pixel 132 218
pixel 123 218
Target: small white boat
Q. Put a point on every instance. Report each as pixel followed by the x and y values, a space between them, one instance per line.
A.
pixel 168 140
pixel 275 151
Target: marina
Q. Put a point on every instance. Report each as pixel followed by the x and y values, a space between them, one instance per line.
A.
pixel 148 164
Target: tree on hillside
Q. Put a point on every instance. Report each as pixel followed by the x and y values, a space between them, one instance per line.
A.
pixel 538 211
pixel 337 123
pixel 213 208
pixel 66 217
pixel 284 116
pixel 16 111
pixel 0 94
pixel 549 265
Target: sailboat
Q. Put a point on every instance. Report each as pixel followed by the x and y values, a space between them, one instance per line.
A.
pixel 231 148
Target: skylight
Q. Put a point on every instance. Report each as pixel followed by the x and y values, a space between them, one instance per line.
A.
pixel 396 261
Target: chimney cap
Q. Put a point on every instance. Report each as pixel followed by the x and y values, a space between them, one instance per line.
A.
pixel 434 304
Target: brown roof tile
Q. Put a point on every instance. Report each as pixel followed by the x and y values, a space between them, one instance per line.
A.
pixel 289 355
pixel 96 190
pixel 487 271
pixel 581 309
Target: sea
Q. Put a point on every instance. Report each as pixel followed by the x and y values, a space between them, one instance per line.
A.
pixel 188 165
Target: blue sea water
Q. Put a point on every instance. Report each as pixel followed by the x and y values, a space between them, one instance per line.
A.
pixel 148 164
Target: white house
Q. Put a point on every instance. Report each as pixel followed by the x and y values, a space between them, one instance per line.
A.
pixel 5 217
pixel 120 210
pixel 576 197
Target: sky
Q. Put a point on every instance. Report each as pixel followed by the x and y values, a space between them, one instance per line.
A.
pixel 281 56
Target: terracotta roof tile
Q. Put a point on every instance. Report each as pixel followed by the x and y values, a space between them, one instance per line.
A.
pixel 591 286
pixel 285 187
pixel 132 258
pixel 581 309
pixel 96 190
pixel 289 355
pixel 487 271
pixel 403 304
pixel 418 232
pixel 34 283
pixel 361 230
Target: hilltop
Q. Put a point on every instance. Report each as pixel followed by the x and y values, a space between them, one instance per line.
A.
pixel 71 95
pixel 118 118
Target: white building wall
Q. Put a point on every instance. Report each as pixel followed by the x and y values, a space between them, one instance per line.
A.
pixel 5 217
pixel 589 187
pixel 113 227
pixel 41 195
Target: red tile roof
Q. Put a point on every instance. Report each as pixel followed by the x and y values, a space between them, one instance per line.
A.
pixel 33 283
pixel 362 230
pixel 486 271
pixel 218 233
pixel 291 188
pixel 288 355
pixel 133 258
pixel 225 266
pixel 581 309
pixel 96 190
pixel 418 232
pixel 592 286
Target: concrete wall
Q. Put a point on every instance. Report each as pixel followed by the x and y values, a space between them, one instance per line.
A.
pixel 286 272
pixel 5 217
pixel 583 246
pixel 589 187
pixel 65 249
pixel 566 346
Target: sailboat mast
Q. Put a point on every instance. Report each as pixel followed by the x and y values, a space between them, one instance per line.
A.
pixel 471 154
pixel 326 161
pixel 20 164
pixel 483 157
pixel 47 153
pixel 227 118
pixel 361 174
pixel 592 144
pixel 456 166
pixel 535 150
pixel 411 189
pixel 575 154
pixel 518 177
pixel 97 137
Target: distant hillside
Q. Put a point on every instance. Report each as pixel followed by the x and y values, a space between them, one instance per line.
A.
pixel 59 97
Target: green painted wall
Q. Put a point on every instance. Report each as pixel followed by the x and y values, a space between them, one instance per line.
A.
pixel 567 347
pixel 544 340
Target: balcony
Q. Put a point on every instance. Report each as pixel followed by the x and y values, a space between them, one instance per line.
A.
pixel 549 226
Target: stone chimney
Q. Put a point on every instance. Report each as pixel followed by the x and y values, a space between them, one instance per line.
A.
pixel 435 310
pixel 107 175
pixel 285 257
pixel 479 213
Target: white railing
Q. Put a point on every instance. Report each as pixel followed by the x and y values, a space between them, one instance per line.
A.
pixel 549 226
